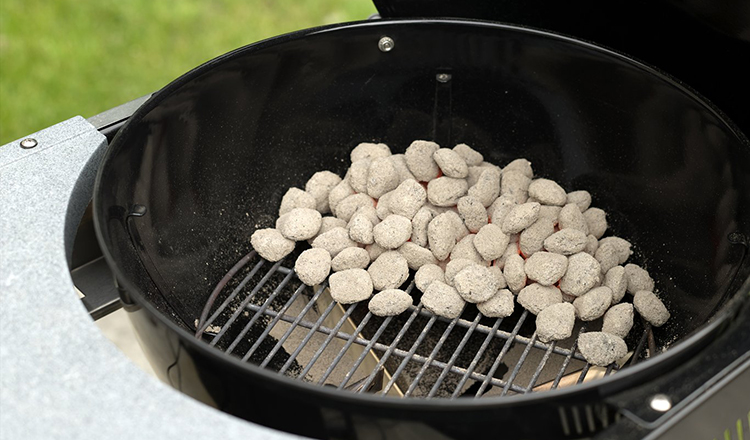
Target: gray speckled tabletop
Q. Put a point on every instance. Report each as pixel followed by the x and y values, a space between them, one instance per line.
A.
pixel 59 376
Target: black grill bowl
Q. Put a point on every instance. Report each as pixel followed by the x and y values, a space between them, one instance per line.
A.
pixel 206 160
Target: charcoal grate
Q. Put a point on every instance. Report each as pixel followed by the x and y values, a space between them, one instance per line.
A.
pixel 272 320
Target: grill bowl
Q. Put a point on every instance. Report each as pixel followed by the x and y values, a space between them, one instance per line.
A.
pixel 206 160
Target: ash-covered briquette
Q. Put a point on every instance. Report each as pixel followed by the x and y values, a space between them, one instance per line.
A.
pixel 439 209
pixel 566 242
pixel 351 258
pixel 472 212
pixel 618 320
pixel 313 266
pixel 545 268
pixel 469 155
pixel 500 305
pixel 515 185
pixel 392 232
pixel 550 212
pixel 458 224
pixel 616 280
pixel 339 193
pixel 419 224
pixel 443 300
pixel 514 273
pixel 520 165
pixel 465 249
pixel 490 242
pixel 474 173
pixel 512 249
pixel 296 198
pixel 650 307
pixel 445 191
pixel 601 349
pixel 487 188
pixel 548 192
pixel 607 256
pixel 374 250
pixel 582 275
pixel 420 161
pixel 638 279
pixel 383 208
pixel 596 219
pixel 270 244
pixel 536 297
pixel 416 256
pixel 475 283
pixel 532 239
pixel 350 286
pixel 593 304
pixel 622 246
pixel 326 224
pixel 357 175
pixel 572 217
pixel 592 244
pixel 427 274
pixel 441 235
pixel 369 150
pixel 368 211
pixel 320 186
pixel 581 198
pixel 300 224
pixel 451 163
pixel 520 217
pixel 568 298
pixel 500 208
pixel 388 271
pixel 555 322
pixel 360 229
pixel 346 208
pixel 334 241
pixel 399 162
pixel 489 165
pixel 407 199
pixel 498 274
pixel 455 266
pixel 382 177
pixel 389 302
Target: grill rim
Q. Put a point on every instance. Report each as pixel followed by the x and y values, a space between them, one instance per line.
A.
pixel 639 374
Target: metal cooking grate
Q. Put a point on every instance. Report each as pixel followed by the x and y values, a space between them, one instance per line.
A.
pixel 273 320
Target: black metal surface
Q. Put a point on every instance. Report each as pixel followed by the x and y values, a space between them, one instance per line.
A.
pixel 94 280
pixel 90 272
pixel 211 155
pixel 701 42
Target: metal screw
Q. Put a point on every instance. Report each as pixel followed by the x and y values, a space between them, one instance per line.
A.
pixel 661 403
pixel 386 44
pixel 443 77
pixel 29 143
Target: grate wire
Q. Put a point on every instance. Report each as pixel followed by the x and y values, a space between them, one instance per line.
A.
pixel 429 356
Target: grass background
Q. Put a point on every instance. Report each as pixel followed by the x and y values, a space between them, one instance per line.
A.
pixel 61 58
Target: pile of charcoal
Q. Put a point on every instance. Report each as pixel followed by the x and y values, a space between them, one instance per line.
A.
pixel 475 233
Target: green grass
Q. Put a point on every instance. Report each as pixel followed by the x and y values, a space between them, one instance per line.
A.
pixel 61 58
